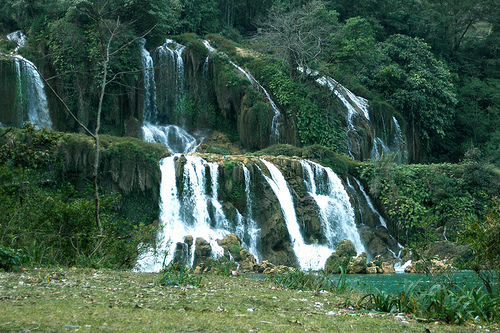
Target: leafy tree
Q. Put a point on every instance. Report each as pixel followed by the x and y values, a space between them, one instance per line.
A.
pixel 447 23
pixel 418 85
pixel 482 236
pixel 355 46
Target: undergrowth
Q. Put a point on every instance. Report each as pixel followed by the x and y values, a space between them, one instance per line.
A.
pixel 300 280
pixel 452 304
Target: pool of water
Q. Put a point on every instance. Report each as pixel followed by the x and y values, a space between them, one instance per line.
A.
pixel 394 283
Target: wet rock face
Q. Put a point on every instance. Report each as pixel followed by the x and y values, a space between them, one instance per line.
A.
pixel 358 265
pixel 202 251
pixel 340 259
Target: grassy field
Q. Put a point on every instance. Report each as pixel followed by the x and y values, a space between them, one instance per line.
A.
pixel 87 300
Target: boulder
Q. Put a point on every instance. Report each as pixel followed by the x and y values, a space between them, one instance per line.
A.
pixel 358 265
pixel 434 266
pixel 263 266
pixel 202 251
pixel 231 244
pixel 371 269
pixel 341 257
pixel 346 248
pixel 248 265
pixel 181 254
pixel 387 268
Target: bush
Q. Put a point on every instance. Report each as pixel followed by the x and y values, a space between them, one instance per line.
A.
pixel 179 275
pixel 300 280
pixel 10 259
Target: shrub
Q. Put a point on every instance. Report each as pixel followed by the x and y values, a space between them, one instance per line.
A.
pixel 179 275
pixel 10 259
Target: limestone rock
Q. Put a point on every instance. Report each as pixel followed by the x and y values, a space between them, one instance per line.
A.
pixel 434 266
pixel 358 265
pixel 346 248
pixel 371 270
pixel 248 264
pixel 341 257
pixel 188 240
pixel 202 251
pixel 263 266
pixel 388 268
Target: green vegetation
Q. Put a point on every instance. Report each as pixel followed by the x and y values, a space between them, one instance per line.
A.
pixel 452 304
pixel 47 220
pixel 179 275
pixel 60 299
pixel 420 199
pixel 299 280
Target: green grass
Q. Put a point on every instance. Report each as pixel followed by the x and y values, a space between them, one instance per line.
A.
pixel 121 301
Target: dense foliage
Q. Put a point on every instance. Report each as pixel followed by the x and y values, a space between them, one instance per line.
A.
pixel 48 220
pixel 430 202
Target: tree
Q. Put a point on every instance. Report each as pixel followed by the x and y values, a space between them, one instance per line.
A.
pixel 482 235
pixel 106 60
pixel 301 35
pixel 418 85
pixel 446 23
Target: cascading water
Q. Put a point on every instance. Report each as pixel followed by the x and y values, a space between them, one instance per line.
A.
pixel 396 142
pixel 169 78
pixel 186 213
pixel 248 231
pixel 30 82
pixel 355 106
pixel 309 256
pixel 190 203
pixel 277 117
pixel 370 203
pixel 150 109
pixel 335 210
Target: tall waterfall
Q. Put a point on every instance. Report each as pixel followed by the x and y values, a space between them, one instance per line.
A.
pixel 247 229
pixel 150 108
pixel 336 213
pixel 309 256
pixel 277 117
pixel 31 85
pixel 169 78
pixel 190 188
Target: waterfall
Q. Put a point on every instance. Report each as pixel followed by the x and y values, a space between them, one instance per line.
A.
pixel 370 203
pixel 277 117
pixel 252 232
pixel 355 106
pixel 335 210
pixel 396 141
pixel 31 84
pixel 175 138
pixel 150 109
pixel 312 256
pixel 169 78
pixel 185 213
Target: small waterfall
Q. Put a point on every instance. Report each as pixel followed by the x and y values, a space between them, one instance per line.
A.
pixel 370 203
pixel 277 117
pixel 309 256
pixel 355 106
pixel 31 84
pixel 336 212
pixel 150 108
pixel 396 142
pixel 175 138
pixel 169 77
pixel 19 38
pixel 252 232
